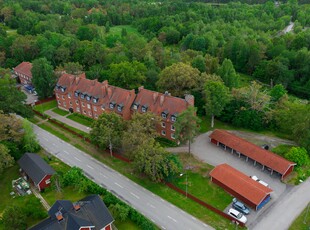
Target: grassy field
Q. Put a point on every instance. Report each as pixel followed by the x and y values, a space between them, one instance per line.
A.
pixel 80 119
pixel 45 106
pixel 50 129
pixel 117 30
pixel 60 112
pixel 7 200
pixel 302 222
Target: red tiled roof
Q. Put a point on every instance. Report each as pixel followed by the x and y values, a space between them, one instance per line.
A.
pixel 159 102
pixel 240 183
pixel 104 92
pixel 253 151
pixel 24 68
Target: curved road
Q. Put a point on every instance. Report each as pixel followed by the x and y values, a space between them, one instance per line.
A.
pixel 159 211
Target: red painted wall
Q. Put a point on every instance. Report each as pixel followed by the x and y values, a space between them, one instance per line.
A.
pixel 235 194
pixel 288 172
pixel 43 183
pixel 108 227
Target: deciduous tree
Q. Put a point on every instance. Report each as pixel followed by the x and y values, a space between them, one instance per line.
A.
pixel 216 96
pixel 107 131
pixel 13 218
pixel 178 79
pixel 10 128
pixel 298 155
pixel 228 74
pixel 43 77
pixel 6 160
pixel 30 142
pixel 187 126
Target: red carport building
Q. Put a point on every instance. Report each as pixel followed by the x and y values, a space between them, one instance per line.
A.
pixel 267 159
pixel 241 186
pixel 36 169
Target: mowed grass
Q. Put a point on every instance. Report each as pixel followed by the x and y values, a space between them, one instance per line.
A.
pixel 117 30
pixel 46 106
pixel 80 119
pixel 51 130
pixel 60 112
pixel 302 222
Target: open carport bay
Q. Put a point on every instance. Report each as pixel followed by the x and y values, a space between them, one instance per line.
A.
pixel 215 155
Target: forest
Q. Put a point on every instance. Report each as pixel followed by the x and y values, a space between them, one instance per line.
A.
pixel 176 46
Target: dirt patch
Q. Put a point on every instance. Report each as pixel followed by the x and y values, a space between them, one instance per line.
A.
pixel 260 139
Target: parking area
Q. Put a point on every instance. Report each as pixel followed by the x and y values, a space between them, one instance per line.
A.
pixel 31 98
pixel 215 155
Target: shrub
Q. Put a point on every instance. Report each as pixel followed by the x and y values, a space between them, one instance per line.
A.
pixel 298 155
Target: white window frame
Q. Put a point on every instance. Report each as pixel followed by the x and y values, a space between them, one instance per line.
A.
pixel 163 133
pixel 95 108
pixel 163 124
pixel 172 136
pixel 88 106
pixel 172 128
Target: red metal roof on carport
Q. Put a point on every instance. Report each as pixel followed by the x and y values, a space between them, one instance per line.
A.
pixel 240 183
pixel 262 156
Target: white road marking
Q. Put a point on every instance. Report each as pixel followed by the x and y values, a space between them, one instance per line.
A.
pixel 152 220
pixel 162 200
pixel 103 175
pixel 205 225
pixel 77 159
pixel 118 185
pixel 135 195
pixel 194 218
pixel 163 227
pixel 172 218
pixel 45 138
pixel 152 206
pixel 66 151
pixel 89 167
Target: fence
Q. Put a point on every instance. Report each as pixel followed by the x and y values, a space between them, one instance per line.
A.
pixel 44 100
pixel 208 206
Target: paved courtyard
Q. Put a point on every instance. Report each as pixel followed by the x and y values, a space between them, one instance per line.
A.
pixel 215 155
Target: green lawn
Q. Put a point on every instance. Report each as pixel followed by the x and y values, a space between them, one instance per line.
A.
pixel 6 199
pixel 45 106
pixel 80 119
pixel 302 222
pixel 117 30
pixel 60 112
pixel 55 132
pixel 126 225
pixel 34 120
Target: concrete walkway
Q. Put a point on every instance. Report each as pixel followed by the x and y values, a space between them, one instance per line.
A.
pixel 68 121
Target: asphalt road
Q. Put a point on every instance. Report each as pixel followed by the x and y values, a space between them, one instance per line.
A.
pixel 159 211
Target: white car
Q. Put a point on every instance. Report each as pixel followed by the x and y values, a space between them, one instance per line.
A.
pixel 237 215
pixel 259 181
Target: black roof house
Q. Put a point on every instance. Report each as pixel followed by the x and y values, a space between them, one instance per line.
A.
pixel 88 212
pixel 35 167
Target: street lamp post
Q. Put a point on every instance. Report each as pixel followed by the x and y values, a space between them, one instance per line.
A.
pixel 185 182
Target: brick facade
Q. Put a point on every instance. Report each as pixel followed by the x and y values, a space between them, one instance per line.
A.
pixel 23 72
pixel 92 98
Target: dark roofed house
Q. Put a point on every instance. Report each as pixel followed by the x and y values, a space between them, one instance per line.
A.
pixel 36 169
pixel 241 186
pixel 23 72
pixel 266 158
pixel 88 213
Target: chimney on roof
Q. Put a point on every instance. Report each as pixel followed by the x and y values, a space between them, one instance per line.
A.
pixel 59 216
pixel 190 99
pixel 109 92
pixel 140 88
pixel 167 93
pixel 162 99
pixel 155 95
pixel 77 206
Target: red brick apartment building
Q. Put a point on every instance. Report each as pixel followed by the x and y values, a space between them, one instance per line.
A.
pixel 91 98
pixel 23 72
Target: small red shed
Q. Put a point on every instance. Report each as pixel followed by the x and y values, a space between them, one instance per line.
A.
pixel 36 169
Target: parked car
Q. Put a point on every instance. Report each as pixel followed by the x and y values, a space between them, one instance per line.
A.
pixel 237 215
pixel 238 205
pixel 259 181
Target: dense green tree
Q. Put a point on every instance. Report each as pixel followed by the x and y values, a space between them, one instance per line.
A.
pixel 277 92
pixel 6 160
pixel 187 126
pixel 11 99
pixel 178 79
pixel 217 96
pixel 228 74
pixel 212 64
pixel 151 159
pixel 107 131
pixel 10 128
pixel 43 77
pixel 298 155
pixel 127 75
pixel 199 63
pixel 141 128
pixel 29 141
pixel 119 212
pixel 13 218
pixel 73 68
